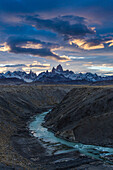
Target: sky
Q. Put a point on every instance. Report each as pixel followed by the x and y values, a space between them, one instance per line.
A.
pixel 39 34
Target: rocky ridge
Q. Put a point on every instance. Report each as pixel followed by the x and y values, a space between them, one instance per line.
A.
pixel 85 115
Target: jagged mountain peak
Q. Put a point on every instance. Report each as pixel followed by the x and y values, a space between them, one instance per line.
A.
pixel 21 75
pixel 59 68
pixel 57 75
pixel 53 70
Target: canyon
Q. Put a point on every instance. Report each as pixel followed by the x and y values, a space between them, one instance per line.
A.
pixel 78 113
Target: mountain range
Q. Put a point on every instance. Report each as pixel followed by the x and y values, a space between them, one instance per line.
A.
pixel 56 75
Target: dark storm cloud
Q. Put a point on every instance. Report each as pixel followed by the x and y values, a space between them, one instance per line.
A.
pixel 23 65
pixel 37 65
pixel 17 45
pixel 71 19
pixel 13 65
pixel 19 41
pixel 106 41
pixel 23 29
pixel 97 41
pixel 93 42
pixel 62 25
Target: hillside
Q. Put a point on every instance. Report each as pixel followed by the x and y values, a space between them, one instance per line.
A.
pixel 85 115
pixel 17 105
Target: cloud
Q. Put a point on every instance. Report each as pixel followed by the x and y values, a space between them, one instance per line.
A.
pixel 33 47
pixel 58 22
pixel 39 66
pixel 102 67
pixel 12 65
pixel 4 47
pixel 34 66
pixel 93 43
pixel 68 26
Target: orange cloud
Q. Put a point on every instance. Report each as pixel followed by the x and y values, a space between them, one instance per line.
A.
pixel 31 45
pixel 78 42
pixel 88 47
pixel 4 47
pixel 110 42
pixel 85 45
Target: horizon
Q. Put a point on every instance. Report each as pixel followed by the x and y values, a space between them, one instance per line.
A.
pixel 51 71
pixel 41 34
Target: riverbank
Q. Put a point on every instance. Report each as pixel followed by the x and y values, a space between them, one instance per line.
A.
pixel 32 149
pixel 75 154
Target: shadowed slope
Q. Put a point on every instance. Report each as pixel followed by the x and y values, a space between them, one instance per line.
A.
pixel 85 115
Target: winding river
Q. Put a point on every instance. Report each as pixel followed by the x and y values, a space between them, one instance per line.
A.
pixel 55 145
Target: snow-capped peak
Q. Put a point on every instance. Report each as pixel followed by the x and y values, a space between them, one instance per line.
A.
pixel 59 68
pixel 56 75
pixel 21 75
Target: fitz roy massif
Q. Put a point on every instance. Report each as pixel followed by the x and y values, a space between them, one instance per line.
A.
pixel 57 75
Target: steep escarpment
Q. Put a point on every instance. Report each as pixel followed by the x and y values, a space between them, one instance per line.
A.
pixel 17 104
pixel 85 115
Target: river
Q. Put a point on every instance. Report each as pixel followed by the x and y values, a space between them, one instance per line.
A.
pixel 55 145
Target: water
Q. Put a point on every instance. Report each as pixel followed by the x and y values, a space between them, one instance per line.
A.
pixel 55 145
